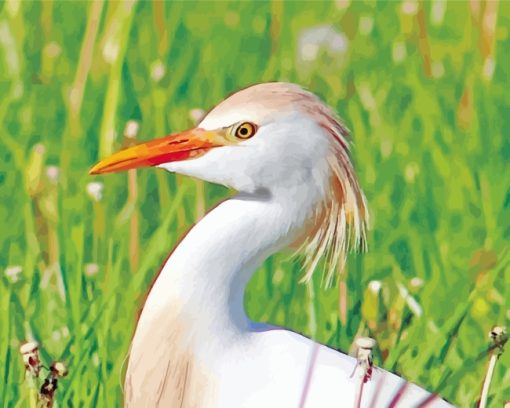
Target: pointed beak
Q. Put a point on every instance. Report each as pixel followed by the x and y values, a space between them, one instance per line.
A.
pixel 176 147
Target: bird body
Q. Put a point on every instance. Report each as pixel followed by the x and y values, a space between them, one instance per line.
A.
pixel 194 346
pixel 193 329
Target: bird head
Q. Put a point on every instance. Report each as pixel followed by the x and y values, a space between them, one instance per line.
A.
pixel 273 137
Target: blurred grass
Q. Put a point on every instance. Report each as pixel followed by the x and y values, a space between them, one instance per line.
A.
pixel 424 89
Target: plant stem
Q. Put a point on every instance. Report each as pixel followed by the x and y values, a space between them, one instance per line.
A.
pixel 499 338
pixel 33 394
pixel 487 382
pixel 116 45
pixel 33 398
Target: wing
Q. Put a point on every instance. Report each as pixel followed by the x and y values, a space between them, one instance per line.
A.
pixel 162 371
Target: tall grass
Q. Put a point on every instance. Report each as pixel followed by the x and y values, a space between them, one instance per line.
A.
pixel 422 86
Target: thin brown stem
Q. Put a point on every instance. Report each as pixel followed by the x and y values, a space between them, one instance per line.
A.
pixel 423 42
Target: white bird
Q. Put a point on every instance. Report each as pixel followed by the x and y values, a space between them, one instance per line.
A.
pixel 286 153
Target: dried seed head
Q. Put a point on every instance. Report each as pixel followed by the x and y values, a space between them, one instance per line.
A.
pixel 367 343
pixel 30 354
pixel 59 369
pixel 499 336
pixel 29 347
pixel 363 369
pixel 496 332
pixel 48 389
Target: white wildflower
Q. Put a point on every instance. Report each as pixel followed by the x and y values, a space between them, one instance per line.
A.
pixel 320 38
pixel 158 70
pixel 52 172
pixel 437 12
pixel 409 7
pixel 131 129
pixel 416 282
pixel 91 269
pixel 13 273
pixel 375 286
pixel 95 190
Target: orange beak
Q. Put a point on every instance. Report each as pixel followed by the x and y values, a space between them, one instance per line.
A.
pixel 180 146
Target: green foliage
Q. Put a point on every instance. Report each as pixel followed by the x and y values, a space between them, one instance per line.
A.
pixel 424 93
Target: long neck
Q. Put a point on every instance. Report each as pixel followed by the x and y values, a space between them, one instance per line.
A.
pixel 195 310
pixel 207 273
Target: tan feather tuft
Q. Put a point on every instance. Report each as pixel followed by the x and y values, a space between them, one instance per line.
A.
pixel 340 223
pixel 341 220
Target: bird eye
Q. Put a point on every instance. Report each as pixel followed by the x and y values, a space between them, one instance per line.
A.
pixel 245 130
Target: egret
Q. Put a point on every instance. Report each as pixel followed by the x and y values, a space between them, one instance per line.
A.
pixel 286 154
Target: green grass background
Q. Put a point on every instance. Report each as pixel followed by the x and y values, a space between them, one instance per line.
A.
pixel 424 87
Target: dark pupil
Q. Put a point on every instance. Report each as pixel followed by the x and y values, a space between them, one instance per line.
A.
pixel 243 131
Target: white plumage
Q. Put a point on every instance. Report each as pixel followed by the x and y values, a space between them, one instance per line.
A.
pixel 286 154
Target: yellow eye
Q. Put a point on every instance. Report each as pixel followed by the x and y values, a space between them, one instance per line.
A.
pixel 245 130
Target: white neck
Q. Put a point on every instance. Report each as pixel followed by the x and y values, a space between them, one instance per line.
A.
pixel 207 273
pixel 194 316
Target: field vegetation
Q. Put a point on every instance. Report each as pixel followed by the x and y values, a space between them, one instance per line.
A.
pixel 424 88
